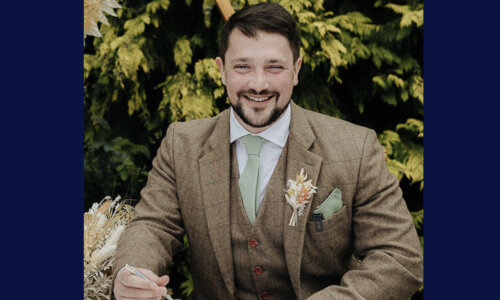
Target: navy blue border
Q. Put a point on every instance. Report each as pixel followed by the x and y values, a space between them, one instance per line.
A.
pixel 461 160
pixel 41 127
pixel 42 149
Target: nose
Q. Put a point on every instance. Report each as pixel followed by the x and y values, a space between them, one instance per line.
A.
pixel 259 81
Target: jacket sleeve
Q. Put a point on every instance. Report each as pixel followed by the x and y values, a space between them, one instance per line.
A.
pixel 155 233
pixel 384 236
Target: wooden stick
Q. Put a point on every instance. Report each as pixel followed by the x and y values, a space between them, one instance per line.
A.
pixel 225 8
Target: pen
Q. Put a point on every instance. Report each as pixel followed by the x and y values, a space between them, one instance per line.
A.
pixel 136 272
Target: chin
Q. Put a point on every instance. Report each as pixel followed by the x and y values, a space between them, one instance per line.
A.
pixel 258 117
pixel 257 120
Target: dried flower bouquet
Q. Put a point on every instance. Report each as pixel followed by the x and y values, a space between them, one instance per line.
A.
pixel 103 225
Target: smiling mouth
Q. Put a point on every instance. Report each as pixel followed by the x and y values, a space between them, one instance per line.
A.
pixel 258 99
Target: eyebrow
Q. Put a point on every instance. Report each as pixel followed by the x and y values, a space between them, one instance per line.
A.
pixel 275 60
pixel 248 59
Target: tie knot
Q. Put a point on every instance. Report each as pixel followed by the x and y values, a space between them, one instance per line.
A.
pixel 253 144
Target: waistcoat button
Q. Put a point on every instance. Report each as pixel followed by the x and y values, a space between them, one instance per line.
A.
pixel 265 295
pixel 258 270
pixel 254 243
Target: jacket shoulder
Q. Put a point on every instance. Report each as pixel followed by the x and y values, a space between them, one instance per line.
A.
pixel 195 131
pixel 336 139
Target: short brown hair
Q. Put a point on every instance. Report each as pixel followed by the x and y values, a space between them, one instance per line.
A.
pixel 267 17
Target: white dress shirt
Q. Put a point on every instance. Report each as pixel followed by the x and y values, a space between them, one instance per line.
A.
pixel 271 151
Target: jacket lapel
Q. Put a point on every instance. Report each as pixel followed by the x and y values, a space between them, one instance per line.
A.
pixel 215 183
pixel 300 139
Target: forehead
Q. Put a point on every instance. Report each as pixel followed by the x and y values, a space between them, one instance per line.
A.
pixel 264 46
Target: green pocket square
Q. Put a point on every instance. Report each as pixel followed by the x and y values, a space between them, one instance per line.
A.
pixel 331 205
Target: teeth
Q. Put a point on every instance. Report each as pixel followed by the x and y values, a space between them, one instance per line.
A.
pixel 258 99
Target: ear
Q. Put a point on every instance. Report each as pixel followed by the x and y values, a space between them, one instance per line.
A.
pixel 220 64
pixel 296 69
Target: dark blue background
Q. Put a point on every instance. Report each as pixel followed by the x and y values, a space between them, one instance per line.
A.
pixel 461 159
pixel 41 134
pixel 42 150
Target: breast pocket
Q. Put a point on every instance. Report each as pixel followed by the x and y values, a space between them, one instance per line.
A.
pixel 334 221
pixel 325 251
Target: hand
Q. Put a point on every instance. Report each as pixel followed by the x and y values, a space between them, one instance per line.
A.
pixel 130 286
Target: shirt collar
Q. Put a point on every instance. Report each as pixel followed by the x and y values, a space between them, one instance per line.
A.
pixel 277 133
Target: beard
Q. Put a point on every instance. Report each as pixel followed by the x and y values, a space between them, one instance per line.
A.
pixel 258 117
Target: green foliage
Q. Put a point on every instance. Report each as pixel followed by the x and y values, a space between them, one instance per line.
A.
pixel 113 160
pixel 418 220
pixel 180 271
pixel 191 96
pixel 405 150
pixel 409 15
pixel 154 64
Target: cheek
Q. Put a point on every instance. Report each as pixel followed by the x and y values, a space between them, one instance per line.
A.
pixel 284 83
pixel 235 82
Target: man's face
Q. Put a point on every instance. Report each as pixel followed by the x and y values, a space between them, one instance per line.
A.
pixel 259 75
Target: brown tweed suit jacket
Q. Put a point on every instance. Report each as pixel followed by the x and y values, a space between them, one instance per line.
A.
pixel 188 192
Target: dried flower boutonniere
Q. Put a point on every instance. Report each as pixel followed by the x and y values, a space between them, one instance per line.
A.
pixel 298 194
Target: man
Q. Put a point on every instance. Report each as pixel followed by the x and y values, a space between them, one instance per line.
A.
pixel 223 180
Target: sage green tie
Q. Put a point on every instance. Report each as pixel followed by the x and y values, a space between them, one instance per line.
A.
pixel 249 179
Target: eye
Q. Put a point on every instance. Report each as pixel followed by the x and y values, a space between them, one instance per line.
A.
pixel 242 67
pixel 275 68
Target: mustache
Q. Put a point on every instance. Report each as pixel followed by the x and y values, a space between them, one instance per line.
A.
pixel 254 92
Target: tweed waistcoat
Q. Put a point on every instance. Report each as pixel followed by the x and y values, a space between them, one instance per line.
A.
pixel 258 251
